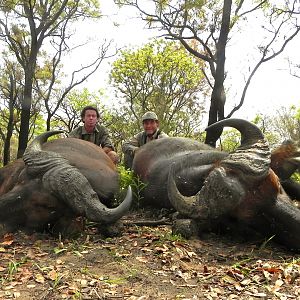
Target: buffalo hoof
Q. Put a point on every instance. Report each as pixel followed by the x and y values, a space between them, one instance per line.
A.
pixel 111 230
pixel 68 227
pixel 187 228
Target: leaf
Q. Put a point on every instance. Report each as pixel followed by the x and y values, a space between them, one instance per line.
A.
pixel 17 295
pixel 30 286
pixel 77 253
pixel 142 259
pixel 39 278
pixel 30 254
pixel 182 285
pixel 58 250
pixel 8 239
pixel 52 275
pixel 246 282
pixel 229 279
pixel 162 249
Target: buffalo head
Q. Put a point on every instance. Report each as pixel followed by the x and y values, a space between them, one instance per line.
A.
pixel 60 179
pixel 285 161
pixel 211 186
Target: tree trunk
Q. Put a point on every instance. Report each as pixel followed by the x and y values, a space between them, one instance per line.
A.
pixel 26 106
pixel 218 97
pixel 10 125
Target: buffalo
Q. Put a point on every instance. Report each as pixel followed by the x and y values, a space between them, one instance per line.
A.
pixel 212 187
pixel 57 181
pixel 285 161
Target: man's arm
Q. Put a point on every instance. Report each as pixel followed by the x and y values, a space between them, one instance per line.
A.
pixel 130 146
pixel 162 135
pixel 104 140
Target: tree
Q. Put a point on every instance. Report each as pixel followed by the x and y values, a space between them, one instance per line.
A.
pixel 204 29
pixel 278 127
pixel 25 26
pixel 51 86
pixel 286 123
pixel 67 117
pixel 162 77
pixel 10 91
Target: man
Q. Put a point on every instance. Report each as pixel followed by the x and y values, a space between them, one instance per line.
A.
pixel 93 132
pixel 151 132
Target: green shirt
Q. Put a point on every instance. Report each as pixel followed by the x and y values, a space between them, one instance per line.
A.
pixel 139 140
pixel 99 136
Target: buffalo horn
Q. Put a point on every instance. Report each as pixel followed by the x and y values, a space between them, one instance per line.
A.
pixel 224 188
pixel 67 182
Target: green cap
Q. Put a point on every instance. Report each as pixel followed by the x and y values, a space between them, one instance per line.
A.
pixel 149 115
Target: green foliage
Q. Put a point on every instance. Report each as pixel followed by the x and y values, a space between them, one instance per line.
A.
pixel 128 178
pixel 13 267
pixel 264 123
pixel 79 99
pixel 283 125
pixel 286 122
pixel 296 176
pixel 68 115
pixel 170 237
pixel 162 77
pixel 230 140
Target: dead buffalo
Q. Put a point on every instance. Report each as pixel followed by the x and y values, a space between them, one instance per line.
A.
pixel 285 161
pixel 211 186
pixel 57 181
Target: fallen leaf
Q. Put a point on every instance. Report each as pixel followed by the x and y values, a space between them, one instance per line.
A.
pixel 229 279
pixel 39 278
pixel 8 239
pixel 17 294
pixel 142 259
pixel 31 254
pixel 52 275
pixel 246 281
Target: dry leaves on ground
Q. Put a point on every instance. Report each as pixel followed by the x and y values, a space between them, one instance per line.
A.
pixel 144 263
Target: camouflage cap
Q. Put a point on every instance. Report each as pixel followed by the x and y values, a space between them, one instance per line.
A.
pixel 149 115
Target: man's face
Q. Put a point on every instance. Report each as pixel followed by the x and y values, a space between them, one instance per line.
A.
pixel 150 126
pixel 90 118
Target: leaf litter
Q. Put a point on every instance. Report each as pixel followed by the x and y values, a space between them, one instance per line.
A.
pixel 145 263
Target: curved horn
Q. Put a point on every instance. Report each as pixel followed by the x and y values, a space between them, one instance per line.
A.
pixel 38 141
pixel 69 184
pixel 250 133
pixel 220 194
pixel 38 161
pixel 252 158
pixel 192 169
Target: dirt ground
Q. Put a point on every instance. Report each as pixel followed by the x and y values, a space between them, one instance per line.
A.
pixel 145 263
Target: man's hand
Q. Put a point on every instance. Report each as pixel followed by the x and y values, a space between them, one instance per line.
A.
pixel 135 151
pixel 114 157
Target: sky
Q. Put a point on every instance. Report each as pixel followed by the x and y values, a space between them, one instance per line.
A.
pixel 271 88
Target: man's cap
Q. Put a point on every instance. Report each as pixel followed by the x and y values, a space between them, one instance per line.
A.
pixel 149 115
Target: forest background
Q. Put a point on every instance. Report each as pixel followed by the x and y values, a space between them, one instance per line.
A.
pixel 193 62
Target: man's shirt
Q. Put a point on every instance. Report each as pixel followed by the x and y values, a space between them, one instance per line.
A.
pixel 99 136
